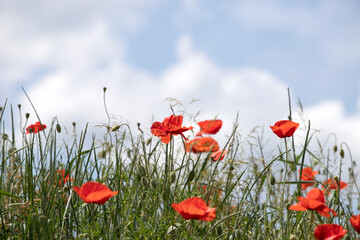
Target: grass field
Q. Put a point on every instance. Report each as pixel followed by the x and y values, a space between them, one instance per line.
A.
pixel 246 195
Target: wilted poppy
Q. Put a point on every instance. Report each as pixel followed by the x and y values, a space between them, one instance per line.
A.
pixel 63 179
pixel 35 128
pixel 195 208
pixel 94 192
pixel 209 127
pixel 218 155
pixel 169 126
pixel 355 222
pixel 314 200
pixel 307 175
pixel 329 232
pixel 284 128
pixel 203 144
pixel 332 184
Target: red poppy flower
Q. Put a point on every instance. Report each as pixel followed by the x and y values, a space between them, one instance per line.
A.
pixel 203 144
pixel 64 179
pixel 209 127
pixel 314 200
pixel 332 184
pixel 355 222
pixel 195 208
pixel 218 155
pixel 94 192
pixel 307 175
pixel 169 126
pixel 284 128
pixel 35 128
pixel 329 232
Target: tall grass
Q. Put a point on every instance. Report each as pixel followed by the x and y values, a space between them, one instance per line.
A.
pixel 250 190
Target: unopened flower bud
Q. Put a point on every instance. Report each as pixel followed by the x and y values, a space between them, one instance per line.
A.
pixel 141 171
pixel 27 115
pixel 237 233
pixel 115 128
pixel 58 128
pixel 153 183
pixel 104 89
pixel 272 180
pixel 219 230
pixel 172 177
pixel 335 148
pixel 74 124
pixel 148 141
pixel 144 182
pixel 342 154
pixel 19 106
pixel 191 175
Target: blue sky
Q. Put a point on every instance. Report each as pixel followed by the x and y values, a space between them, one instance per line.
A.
pixel 235 56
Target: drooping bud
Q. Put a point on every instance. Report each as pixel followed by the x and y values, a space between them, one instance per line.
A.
pixel 115 128
pixel 144 182
pixel 191 175
pixel 58 128
pixel 153 183
pixel 335 148
pixel 272 180
pixel 172 177
pixel 342 153
pixel 141 171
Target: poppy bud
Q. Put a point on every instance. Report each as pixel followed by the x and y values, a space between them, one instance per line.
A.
pixel 172 177
pixel 5 136
pixel 74 124
pixel 19 106
pixel 115 128
pixel 272 180
pixel 128 152
pixel 58 128
pixel 27 115
pixel 144 182
pixel 335 148
pixel 153 183
pixel 219 230
pixel 141 171
pixel 148 142
pixel 104 89
pixel 342 154
pixel 237 233
pixel 231 167
pixel 191 175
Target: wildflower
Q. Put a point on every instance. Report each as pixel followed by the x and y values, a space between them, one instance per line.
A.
pixel 169 126
pixel 329 232
pixel 209 127
pixel 195 208
pixel 94 192
pixel 35 128
pixel 203 144
pixel 355 222
pixel 332 184
pixel 284 128
pixel 314 200
pixel 218 155
pixel 307 175
pixel 64 179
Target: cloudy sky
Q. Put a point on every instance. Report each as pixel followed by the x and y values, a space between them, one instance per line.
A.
pixel 233 56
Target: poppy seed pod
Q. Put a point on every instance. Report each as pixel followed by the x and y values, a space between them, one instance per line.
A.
pixel 342 154
pixel 172 177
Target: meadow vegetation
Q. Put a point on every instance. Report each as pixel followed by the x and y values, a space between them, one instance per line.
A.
pixel 173 181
